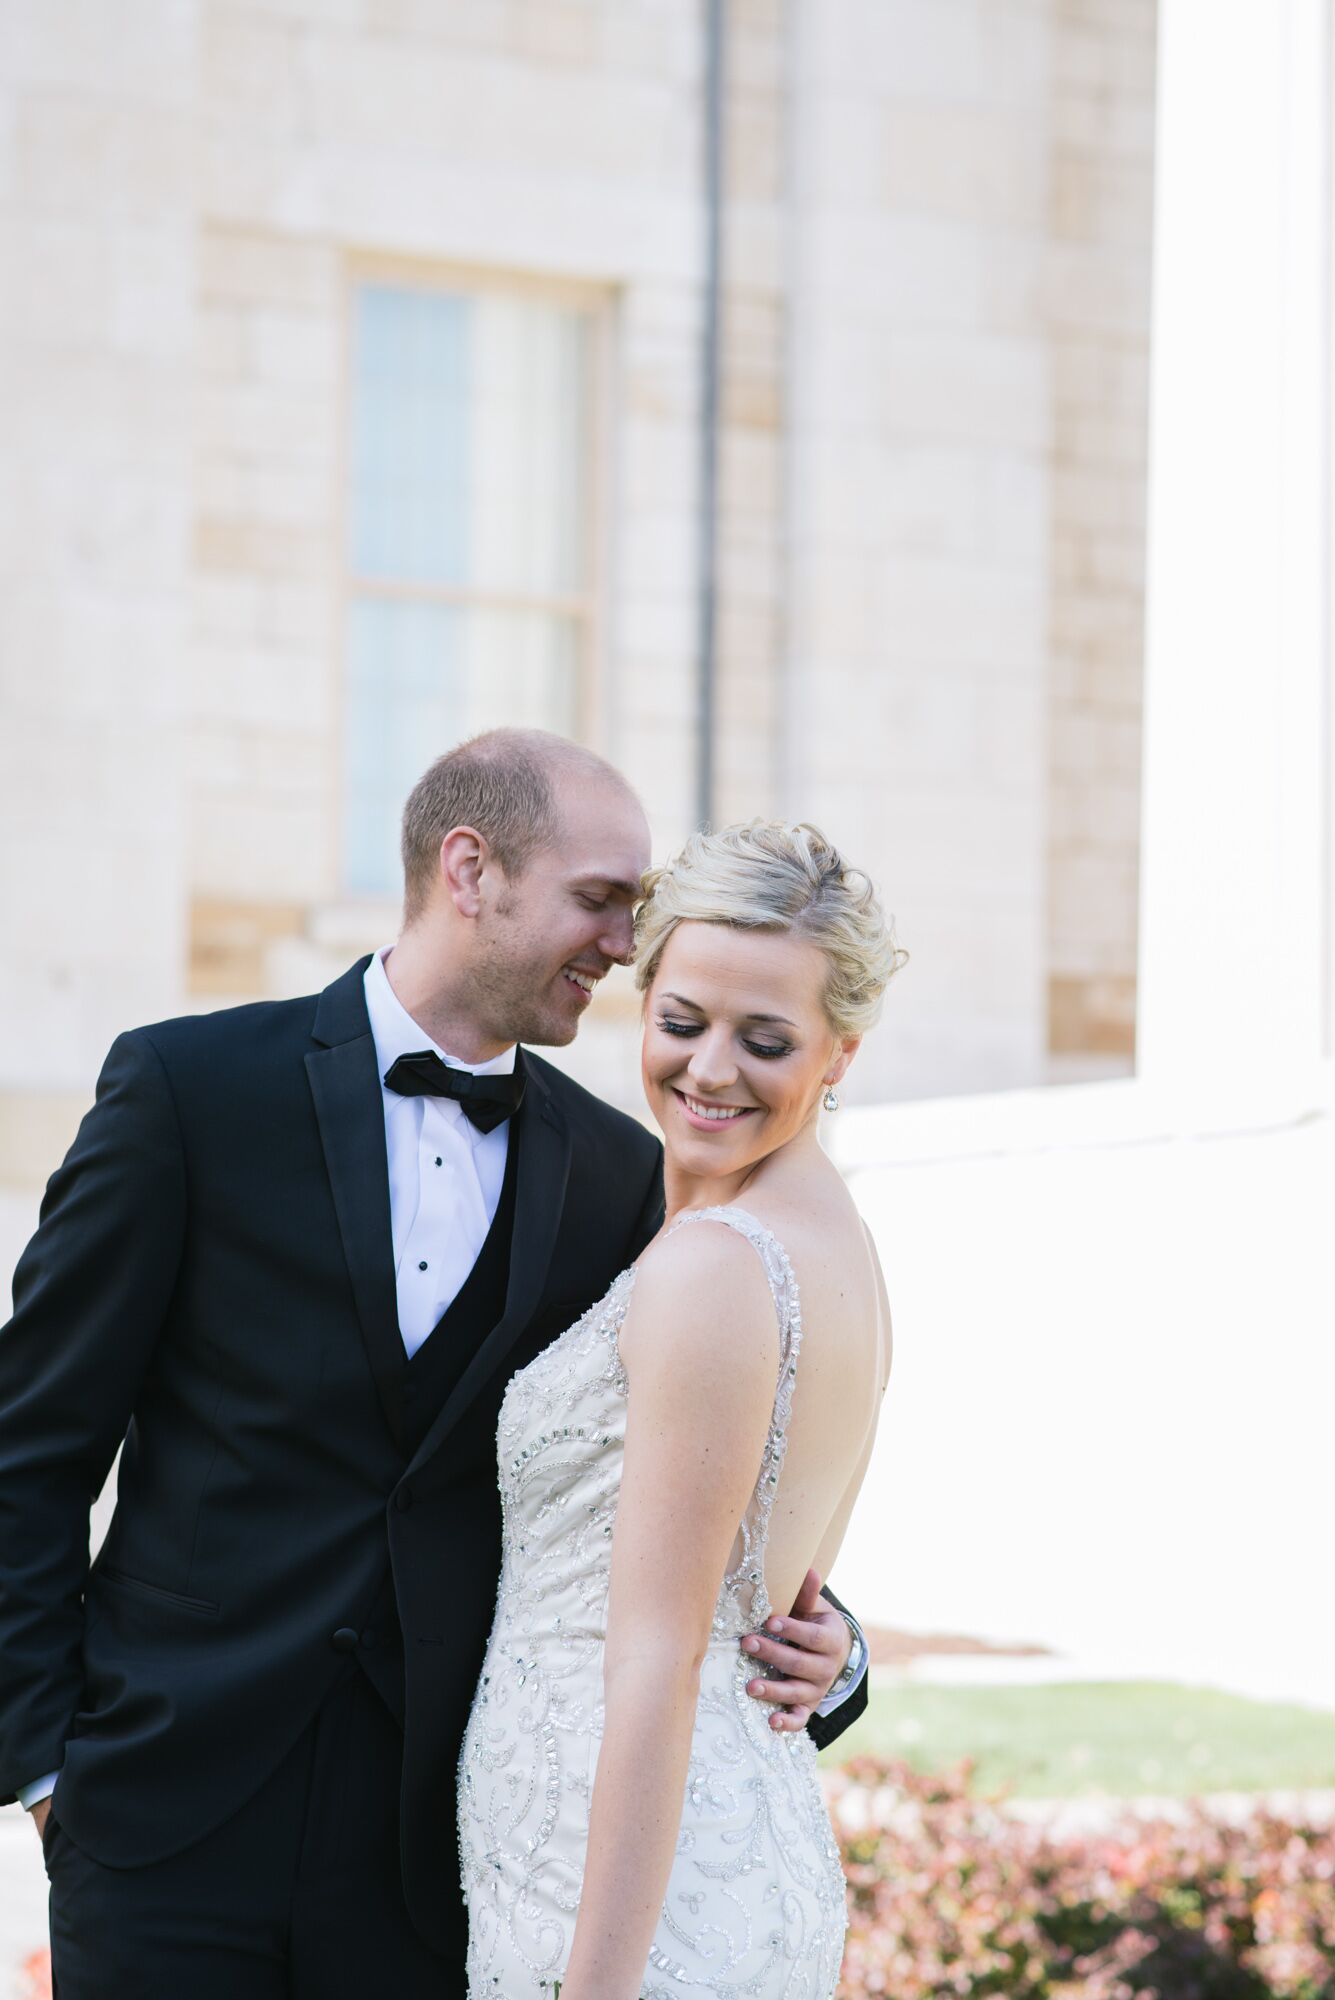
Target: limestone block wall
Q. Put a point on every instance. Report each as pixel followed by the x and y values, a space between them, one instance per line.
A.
pixel 969 257
pixel 920 508
pixel 932 410
pixel 541 141
pixel 531 142
pixel 761 86
pixel 263 662
pixel 98 199
pixel 1101 209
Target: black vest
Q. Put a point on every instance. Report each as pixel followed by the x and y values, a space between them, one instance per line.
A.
pixel 427 1379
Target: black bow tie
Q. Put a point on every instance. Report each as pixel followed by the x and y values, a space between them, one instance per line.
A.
pixel 486 1101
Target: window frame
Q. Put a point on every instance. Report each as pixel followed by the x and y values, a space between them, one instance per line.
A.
pixel 586 609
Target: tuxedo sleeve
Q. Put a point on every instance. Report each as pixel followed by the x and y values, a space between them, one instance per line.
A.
pixel 91 1293
pixel 650 1218
pixel 826 1729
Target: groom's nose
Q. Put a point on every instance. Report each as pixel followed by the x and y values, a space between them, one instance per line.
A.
pixel 617 942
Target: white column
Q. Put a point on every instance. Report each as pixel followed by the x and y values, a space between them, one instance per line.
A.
pixel 1235 915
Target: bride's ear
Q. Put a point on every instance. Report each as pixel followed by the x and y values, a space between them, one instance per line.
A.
pixel 846 1051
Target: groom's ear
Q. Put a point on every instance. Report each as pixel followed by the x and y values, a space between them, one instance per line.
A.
pixel 463 856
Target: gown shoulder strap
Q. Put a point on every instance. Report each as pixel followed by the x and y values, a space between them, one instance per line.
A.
pixel 744 1585
pixel 778 1270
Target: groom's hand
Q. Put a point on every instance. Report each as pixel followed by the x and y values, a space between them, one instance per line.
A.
pixel 38 1814
pixel 810 1647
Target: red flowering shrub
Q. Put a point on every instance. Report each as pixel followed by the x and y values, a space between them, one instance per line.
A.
pixel 35 1976
pixel 950 1896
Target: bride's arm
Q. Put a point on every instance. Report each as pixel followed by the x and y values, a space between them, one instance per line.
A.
pixel 700 1347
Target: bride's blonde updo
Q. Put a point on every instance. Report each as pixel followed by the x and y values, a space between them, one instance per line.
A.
pixel 768 876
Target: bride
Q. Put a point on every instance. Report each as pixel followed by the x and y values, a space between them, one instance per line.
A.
pixel 674 1465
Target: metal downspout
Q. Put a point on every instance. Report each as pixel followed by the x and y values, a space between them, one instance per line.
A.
pixel 710 371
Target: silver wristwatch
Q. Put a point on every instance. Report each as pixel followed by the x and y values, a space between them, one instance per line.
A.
pixel 853 1664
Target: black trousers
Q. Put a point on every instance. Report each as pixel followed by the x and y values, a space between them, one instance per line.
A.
pixel 296 1897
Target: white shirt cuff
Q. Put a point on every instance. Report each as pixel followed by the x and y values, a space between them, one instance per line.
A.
pixel 40 1788
pixel 856 1671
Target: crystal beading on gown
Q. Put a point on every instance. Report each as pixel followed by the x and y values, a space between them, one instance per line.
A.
pixel 754 1908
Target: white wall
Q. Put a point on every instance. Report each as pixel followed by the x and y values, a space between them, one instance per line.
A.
pixel 1107 1429
pixel 1238 916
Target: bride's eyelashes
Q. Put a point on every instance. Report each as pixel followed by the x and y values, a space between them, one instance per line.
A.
pixel 693 1028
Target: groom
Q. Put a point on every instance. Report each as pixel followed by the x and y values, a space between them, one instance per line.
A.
pixel 291 1260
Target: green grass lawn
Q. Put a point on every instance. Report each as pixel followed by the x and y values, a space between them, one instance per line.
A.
pixel 1116 1739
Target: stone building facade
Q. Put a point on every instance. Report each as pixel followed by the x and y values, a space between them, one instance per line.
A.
pixel 350 399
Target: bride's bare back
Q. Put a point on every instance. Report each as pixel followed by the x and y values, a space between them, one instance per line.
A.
pixel 845 1365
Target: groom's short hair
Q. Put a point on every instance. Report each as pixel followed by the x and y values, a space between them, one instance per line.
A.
pixel 504 785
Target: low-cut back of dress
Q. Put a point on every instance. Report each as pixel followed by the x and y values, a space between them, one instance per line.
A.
pixel 754 1908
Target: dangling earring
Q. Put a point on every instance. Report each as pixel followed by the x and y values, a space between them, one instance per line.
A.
pixel 831 1099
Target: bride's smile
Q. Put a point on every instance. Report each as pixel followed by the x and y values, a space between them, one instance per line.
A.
pixel 711 1114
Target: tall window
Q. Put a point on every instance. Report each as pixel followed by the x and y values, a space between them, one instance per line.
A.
pixel 470 559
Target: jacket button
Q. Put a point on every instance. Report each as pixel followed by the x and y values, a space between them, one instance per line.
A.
pixel 403 1499
pixel 344 1640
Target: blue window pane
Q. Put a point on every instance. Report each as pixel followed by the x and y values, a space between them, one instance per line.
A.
pixel 419 678
pixel 470 463
pixel 470 470
pixel 410 442
pixel 402 686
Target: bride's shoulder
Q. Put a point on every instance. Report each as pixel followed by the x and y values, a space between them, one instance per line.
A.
pixel 698 1247
pixel 698 1276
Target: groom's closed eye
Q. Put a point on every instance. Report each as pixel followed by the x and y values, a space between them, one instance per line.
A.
pixel 600 889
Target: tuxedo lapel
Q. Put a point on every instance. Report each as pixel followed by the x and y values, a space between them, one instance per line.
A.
pixel 543 1169
pixel 345 1084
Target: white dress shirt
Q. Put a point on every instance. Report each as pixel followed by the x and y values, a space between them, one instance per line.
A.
pixel 444 1175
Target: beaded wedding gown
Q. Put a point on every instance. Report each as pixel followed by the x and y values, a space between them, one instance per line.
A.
pixel 754 1908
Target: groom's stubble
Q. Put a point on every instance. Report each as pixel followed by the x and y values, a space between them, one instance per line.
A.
pixel 507 989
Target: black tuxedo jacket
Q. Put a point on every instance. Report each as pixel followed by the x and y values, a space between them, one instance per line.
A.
pixel 212 1282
